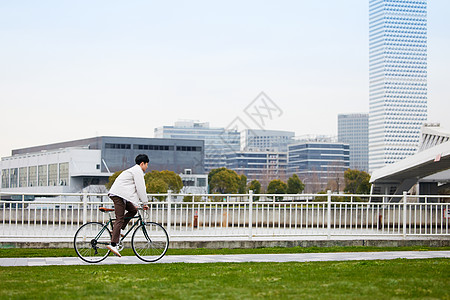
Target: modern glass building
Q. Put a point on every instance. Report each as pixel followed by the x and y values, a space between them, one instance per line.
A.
pixel 353 129
pixel 267 140
pixel 319 164
pixel 397 80
pixel 218 141
pixel 263 166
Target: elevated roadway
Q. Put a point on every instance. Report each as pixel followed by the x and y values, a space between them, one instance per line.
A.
pixel 430 168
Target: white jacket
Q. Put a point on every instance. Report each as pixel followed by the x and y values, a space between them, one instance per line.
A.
pixel 130 185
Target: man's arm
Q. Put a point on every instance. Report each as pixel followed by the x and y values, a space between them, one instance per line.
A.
pixel 140 187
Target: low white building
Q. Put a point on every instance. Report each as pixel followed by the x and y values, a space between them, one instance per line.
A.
pixel 194 183
pixel 65 170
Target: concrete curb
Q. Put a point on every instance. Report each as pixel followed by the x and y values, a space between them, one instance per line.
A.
pixel 230 244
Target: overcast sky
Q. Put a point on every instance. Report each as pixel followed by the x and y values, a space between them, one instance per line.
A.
pixel 79 69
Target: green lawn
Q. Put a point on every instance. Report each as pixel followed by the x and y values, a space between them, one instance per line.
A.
pixel 390 279
pixel 55 252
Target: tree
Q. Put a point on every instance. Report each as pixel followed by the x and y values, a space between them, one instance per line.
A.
pixel 157 186
pixel 214 172
pixel 223 181
pixel 255 186
pixel 356 182
pixel 242 184
pixel 161 182
pixel 111 179
pixel 294 185
pixel 277 186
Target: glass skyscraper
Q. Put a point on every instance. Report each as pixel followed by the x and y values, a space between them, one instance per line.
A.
pixel 353 129
pixel 397 80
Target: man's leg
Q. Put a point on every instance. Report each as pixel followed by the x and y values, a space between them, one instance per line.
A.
pixel 131 212
pixel 119 209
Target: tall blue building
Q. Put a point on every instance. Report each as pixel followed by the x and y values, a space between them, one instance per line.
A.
pixel 397 80
pixel 353 129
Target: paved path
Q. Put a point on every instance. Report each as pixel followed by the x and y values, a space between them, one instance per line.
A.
pixel 299 257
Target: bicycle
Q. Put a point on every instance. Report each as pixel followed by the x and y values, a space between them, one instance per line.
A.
pixel 149 241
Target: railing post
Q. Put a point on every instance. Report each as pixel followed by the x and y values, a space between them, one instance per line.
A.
pixel 405 196
pixel 23 208
pixel 250 214
pixel 169 210
pixel 329 214
pixel 85 200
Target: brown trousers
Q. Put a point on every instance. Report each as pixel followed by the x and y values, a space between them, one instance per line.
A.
pixel 122 219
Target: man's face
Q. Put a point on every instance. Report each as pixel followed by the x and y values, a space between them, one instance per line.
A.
pixel 144 166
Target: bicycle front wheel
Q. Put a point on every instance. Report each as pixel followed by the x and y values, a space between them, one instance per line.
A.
pixel 90 242
pixel 150 241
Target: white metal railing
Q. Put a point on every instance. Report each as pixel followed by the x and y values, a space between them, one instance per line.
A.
pixel 247 216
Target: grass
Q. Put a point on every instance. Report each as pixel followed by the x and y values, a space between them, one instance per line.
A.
pixel 68 252
pixel 390 279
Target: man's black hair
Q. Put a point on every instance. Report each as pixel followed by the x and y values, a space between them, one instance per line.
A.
pixel 141 158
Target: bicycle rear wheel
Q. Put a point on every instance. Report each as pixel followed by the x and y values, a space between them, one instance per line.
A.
pixel 150 241
pixel 90 242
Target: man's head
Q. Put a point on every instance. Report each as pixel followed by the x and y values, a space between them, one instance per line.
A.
pixel 142 160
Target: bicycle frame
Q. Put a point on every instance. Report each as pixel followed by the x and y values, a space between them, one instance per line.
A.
pixel 139 217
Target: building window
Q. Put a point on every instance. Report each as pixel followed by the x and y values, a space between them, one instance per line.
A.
pixel 23 176
pixel 5 178
pixel 201 182
pixel 32 176
pixel 117 146
pixel 188 182
pixel 53 175
pixel 63 173
pixel 90 181
pixel 153 147
pixel 14 177
pixel 188 148
pixel 42 175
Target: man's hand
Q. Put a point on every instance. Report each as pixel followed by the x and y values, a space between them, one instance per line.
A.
pixel 145 207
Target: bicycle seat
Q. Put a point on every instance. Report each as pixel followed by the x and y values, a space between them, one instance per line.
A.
pixel 104 209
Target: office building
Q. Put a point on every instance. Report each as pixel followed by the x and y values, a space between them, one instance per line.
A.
pixel 218 141
pixel 263 166
pixel 397 79
pixel 267 140
pixel 353 129
pixel 320 163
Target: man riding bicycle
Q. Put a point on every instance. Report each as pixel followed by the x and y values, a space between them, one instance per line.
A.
pixel 126 192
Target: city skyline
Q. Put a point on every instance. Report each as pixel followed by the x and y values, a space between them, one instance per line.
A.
pixel 77 70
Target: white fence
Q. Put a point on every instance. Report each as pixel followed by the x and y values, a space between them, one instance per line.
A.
pixel 244 216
